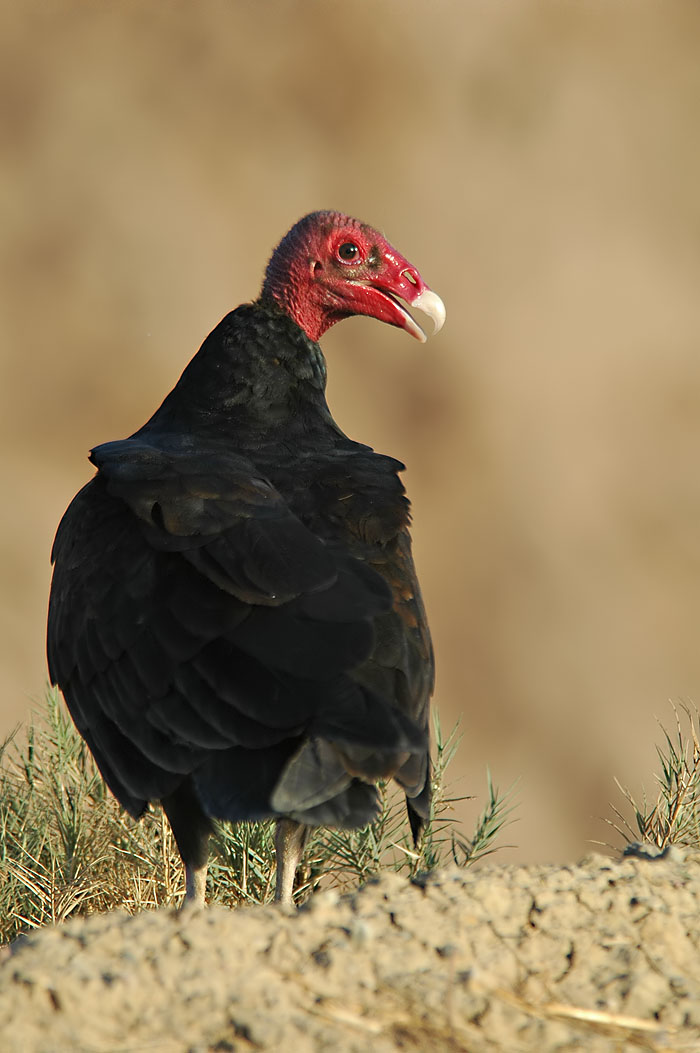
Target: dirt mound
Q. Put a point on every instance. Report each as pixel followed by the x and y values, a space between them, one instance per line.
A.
pixel 599 957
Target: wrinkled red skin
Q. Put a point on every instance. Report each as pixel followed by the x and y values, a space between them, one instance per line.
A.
pixel 309 280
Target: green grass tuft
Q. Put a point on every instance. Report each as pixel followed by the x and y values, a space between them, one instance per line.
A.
pixel 672 817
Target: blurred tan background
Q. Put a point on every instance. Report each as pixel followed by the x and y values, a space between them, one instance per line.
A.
pixel 540 164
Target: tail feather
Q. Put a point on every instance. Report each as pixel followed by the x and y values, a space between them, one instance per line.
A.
pixel 418 806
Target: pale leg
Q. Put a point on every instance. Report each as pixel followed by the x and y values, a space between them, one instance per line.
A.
pixel 290 838
pixel 195 885
pixel 191 829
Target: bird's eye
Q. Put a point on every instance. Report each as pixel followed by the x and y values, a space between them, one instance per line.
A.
pixel 348 252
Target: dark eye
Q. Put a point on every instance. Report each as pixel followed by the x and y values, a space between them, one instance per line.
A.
pixel 348 251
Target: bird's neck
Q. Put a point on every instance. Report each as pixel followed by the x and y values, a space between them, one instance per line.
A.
pixel 288 289
pixel 256 373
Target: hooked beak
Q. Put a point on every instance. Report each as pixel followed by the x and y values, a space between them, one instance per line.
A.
pixel 429 303
pixel 399 280
pixel 380 298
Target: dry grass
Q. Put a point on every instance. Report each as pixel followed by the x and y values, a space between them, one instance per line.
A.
pixel 67 848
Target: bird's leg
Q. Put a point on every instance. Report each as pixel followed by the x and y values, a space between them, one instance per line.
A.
pixel 290 839
pixel 195 885
pixel 191 829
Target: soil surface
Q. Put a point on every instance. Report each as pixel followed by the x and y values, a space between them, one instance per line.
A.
pixel 601 956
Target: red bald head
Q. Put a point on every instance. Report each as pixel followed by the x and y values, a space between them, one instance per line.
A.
pixel 330 266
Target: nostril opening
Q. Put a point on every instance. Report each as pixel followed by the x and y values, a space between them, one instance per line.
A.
pixel 410 275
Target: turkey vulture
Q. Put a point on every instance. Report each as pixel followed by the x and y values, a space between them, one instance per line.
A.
pixel 235 620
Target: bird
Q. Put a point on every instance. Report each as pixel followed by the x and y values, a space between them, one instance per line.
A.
pixel 235 621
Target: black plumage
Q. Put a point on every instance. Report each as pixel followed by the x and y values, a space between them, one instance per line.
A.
pixel 235 620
